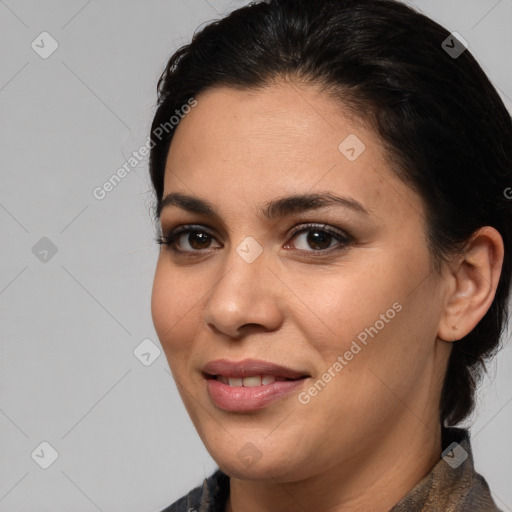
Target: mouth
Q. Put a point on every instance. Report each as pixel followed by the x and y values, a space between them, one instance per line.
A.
pixel 253 381
pixel 251 372
pixel 250 384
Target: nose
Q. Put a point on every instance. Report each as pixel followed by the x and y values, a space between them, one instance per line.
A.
pixel 244 298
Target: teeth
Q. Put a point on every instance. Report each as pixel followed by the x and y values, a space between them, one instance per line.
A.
pixel 250 382
pixel 235 381
pixel 267 379
pixel 256 380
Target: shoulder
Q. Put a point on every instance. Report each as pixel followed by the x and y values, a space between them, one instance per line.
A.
pixel 210 496
pixel 452 484
pixel 457 466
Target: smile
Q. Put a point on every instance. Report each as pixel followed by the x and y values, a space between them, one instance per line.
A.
pixel 249 382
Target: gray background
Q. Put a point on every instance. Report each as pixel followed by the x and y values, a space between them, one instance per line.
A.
pixel 70 321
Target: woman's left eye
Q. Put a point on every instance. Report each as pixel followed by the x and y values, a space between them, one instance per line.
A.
pixel 319 237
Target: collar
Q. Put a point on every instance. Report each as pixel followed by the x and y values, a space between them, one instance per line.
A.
pixel 453 484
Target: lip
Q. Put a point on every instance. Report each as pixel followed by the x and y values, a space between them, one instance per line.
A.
pixel 246 399
pixel 249 368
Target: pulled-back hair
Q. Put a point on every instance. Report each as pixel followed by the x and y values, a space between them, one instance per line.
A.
pixel 446 131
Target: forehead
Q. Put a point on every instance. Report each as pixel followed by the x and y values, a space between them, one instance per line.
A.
pixel 284 138
pixel 282 114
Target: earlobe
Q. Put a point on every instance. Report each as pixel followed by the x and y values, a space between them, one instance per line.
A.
pixel 473 281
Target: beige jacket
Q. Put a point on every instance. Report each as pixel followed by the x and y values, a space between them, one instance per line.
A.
pixel 451 486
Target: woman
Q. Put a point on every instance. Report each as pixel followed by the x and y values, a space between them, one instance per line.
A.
pixel 336 255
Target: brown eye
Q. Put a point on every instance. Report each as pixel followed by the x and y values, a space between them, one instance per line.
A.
pixel 316 238
pixel 187 240
pixel 198 239
pixel 319 238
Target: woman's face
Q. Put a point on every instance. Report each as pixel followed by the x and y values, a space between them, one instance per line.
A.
pixel 350 302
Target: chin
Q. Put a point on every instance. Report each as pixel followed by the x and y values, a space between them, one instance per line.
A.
pixel 260 470
pixel 250 463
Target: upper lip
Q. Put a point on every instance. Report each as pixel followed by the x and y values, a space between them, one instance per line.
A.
pixel 249 368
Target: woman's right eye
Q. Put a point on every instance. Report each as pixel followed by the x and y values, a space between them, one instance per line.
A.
pixel 197 239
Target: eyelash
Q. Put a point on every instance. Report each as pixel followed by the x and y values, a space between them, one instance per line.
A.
pixel 170 238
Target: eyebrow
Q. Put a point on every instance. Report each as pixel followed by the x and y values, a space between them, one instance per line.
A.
pixel 276 208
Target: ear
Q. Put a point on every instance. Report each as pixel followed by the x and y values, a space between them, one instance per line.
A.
pixel 472 281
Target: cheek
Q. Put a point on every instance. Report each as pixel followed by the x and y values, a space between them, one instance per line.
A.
pixel 384 337
pixel 373 319
pixel 174 309
pixel 343 303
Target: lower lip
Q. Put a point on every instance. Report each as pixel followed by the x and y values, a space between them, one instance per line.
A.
pixel 243 399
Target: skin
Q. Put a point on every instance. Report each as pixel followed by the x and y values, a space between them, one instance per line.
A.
pixel 373 431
